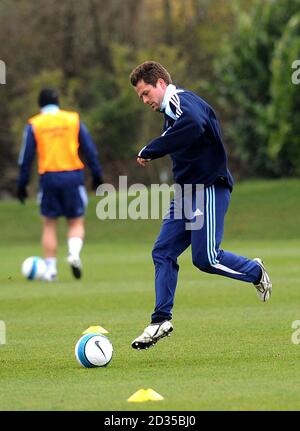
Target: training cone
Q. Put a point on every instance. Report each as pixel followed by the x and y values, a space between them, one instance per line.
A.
pixel 143 395
pixel 95 330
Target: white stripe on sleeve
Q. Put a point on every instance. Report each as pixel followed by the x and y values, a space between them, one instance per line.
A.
pixel 23 147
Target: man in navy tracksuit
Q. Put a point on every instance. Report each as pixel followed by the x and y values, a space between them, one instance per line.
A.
pixel 192 138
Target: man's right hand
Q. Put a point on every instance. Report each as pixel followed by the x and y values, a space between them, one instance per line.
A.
pixel 97 180
pixel 22 194
pixel 142 161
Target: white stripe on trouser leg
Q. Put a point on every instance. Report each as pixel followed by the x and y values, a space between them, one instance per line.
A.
pixel 39 197
pixel 83 195
pixel 213 226
pixel 211 232
pixel 226 269
pixel 208 225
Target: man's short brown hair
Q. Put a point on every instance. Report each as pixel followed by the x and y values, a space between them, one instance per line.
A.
pixel 150 72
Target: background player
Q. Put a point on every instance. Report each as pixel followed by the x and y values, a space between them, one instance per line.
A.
pixel 57 136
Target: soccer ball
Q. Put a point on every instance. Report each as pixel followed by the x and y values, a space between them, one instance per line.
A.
pixel 93 350
pixel 34 268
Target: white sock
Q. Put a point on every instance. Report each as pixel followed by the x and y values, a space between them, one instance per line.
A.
pixel 75 245
pixel 51 265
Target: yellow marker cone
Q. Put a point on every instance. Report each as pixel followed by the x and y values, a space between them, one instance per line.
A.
pixel 154 396
pixel 96 330
pixel 143 395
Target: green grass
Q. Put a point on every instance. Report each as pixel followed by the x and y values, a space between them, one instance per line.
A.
pixel 228 351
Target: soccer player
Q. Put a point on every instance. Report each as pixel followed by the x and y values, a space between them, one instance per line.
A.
pixel 57 136
pixel 192 138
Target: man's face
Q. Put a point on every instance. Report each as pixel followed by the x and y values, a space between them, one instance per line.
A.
pixel 150 95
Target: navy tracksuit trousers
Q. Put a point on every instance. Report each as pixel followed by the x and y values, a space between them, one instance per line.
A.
pixel 174 238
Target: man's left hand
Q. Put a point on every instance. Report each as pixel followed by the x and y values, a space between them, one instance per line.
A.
pixel 22 194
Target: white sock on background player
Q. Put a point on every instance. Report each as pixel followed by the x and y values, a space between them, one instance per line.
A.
pixel 75 245
pixel 51 271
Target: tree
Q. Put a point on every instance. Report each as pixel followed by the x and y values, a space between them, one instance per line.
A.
pixel 244 78
pixel 284 109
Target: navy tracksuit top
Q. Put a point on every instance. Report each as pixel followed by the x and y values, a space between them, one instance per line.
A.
pixel 192 137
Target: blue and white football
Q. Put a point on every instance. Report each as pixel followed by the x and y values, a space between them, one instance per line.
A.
pixel 34 268
pixel 93 350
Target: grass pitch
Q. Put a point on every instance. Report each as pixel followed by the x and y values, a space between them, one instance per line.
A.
pixel 228 350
